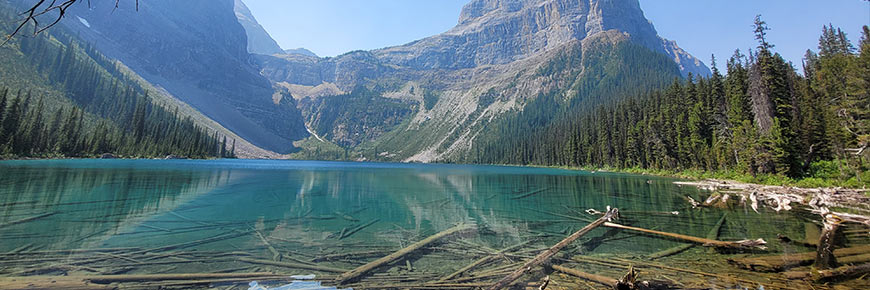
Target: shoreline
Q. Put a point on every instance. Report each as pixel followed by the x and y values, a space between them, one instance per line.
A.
pixel 694 175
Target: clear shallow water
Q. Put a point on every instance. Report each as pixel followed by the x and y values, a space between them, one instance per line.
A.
pixel 308 209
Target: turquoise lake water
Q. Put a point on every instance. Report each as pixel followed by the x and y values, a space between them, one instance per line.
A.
pixel 306 209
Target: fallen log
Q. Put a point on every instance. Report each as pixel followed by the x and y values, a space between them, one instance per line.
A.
pixel 712 235
pixel 100 281
pixel 626 264
pixel 357 229
pixel 482 261
pixel 546 255
pixel 825 258
pixel 350 255
pixel 275 254
pixel 831 274
pixel 778 263
pixel 50 282
pixel 744 244
pixel 355 273
pixel 293 265
pixel 606 281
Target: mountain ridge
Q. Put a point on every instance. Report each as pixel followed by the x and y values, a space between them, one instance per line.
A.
pixel 496 45
pixel 259 40
pixel 201 58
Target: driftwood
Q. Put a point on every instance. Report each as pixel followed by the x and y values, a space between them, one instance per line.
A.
pixel 777 263
pixel 744 244
pixel 781 197
pixel 712 235
pixel 546 255
pixel 355 273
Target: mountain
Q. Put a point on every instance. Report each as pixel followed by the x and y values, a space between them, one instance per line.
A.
pixel 301 51
pixel 195 50
pixel 506 64
pixel 433 98
pixel 259 41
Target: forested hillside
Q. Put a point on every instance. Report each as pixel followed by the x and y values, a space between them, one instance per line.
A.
pixel 762 120
pixel 60 98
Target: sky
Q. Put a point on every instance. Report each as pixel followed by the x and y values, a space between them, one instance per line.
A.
pixel 701 27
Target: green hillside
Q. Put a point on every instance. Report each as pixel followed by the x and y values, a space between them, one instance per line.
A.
pixel 61 98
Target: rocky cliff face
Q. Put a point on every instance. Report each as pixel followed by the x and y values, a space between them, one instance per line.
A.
pixel 494 32
pixel 259 41
pixel 450 86
pixel 197 51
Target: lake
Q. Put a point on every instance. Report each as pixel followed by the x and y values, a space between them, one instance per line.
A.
pixel 100 217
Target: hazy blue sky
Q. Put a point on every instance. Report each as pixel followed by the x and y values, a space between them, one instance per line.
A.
pixel 701 27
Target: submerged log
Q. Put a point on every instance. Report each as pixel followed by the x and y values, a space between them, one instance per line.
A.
pixel 350 232
pixel 546 255
pixel 29 219
pixel 100 281
pixel 712 235
pixel 825 258
pixel 530 193
pixel 482 261
pixel 831 274
pixel 355 273
pixel 292 265
pixel 49 282
pixel 778 263
pixel 606 281
pixel 744 244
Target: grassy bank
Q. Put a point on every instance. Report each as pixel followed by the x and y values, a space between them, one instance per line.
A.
pixel 822 174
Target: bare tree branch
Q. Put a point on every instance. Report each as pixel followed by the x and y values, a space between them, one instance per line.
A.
pixel 37 10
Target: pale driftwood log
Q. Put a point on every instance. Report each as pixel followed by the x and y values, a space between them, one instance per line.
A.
pixel 546 255
pixel 355 273
pixel 712 235
pixel 745 244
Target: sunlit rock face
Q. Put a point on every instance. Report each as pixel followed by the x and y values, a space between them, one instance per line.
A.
pixel 198 51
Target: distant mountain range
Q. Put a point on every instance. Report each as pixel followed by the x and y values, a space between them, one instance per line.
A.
pixel 428 100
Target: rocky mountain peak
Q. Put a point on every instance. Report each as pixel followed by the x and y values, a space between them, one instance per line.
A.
pixel 492 32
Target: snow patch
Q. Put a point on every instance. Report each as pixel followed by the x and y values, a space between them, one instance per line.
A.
pixel 83 21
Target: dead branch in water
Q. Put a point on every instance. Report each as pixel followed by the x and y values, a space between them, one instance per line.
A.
pixel 546 255
pixel 744 244
pixel 355 273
